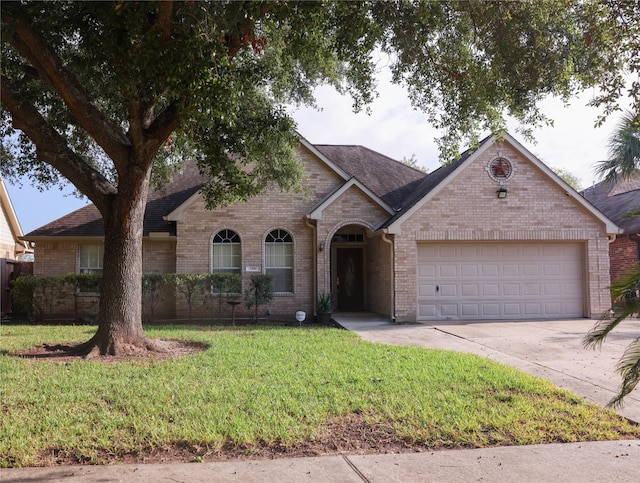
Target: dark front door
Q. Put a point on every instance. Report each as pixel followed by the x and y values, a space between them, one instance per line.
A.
pixel 350 279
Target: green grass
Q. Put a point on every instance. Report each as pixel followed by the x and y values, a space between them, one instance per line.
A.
pixel 265 385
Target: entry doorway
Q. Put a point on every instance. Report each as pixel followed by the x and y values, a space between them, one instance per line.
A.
pixel 350 279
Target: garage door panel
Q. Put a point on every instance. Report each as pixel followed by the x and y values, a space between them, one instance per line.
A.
pixel 426 270
pixel 553 308
pixel 511 289
pixel 469 251
pixel 551 270
pixel 449 310
pixel 529 269
pixel 490 289
pixel 425 310
pixel 469 290
pixel 426 290
pixel 447 251
pixel 512 310
pixel 507 251
pixel 491 311
pixel 551 289
pixel 493 281
pixel 533 309
pixel 511 270
pixel 448 290
pixel 471 310
pixel 490 270
pixel 469 270
pixel 448 270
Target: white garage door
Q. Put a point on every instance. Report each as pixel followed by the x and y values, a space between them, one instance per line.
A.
pixel 500 281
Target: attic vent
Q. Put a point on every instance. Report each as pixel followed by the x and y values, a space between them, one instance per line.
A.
pixel 348 238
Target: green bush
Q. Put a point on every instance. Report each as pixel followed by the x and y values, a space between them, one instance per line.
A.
pixel 260 292
pixel 224 287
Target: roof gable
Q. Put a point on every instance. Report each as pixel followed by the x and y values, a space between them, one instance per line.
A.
pixel 440 178
pixel 316 212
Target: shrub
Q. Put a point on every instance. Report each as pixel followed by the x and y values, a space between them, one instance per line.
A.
pixel 260 292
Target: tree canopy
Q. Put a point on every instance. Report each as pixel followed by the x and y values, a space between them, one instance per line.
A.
pixel 114 95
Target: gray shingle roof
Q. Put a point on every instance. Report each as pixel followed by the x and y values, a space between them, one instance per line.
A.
pixel 87 221
pixel 399 185
pixel 391 180
pixel 615 201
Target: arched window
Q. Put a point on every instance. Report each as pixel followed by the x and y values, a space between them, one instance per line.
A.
pixel 278 259
pixel 226 252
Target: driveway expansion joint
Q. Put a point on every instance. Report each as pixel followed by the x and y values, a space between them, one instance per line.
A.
pixel 355 469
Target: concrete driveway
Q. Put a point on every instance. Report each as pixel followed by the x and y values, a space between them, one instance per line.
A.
pixel 551 349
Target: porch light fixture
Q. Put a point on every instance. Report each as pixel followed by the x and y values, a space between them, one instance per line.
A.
pixel 321 246
pixel 502 193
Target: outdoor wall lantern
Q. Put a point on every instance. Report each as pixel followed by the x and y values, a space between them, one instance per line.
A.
pixel 300 316
pixel 502 193
pixel 321 246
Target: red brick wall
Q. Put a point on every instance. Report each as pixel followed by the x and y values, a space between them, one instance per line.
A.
pixel 623 254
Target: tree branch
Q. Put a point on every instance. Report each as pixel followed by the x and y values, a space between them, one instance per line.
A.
pixel 31 45
pixel 53 149
pixel 165 17
pixel 161 128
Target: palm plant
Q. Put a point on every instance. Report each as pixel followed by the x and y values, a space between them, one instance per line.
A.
pixel 624 293
pixel 624 151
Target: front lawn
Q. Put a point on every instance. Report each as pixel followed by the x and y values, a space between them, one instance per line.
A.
pixel 267 391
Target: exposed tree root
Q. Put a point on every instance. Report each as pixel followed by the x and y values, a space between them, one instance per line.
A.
pixel 90 350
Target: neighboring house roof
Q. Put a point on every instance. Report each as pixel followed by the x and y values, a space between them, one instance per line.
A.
pixel 12 223
pixel 617 200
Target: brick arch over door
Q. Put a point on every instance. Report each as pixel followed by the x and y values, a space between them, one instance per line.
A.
pixel 327 243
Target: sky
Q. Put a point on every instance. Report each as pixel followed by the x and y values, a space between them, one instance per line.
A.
pixel 392 128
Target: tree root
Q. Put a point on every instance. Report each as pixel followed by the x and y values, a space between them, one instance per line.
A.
pixel 93 348
pixel 90 350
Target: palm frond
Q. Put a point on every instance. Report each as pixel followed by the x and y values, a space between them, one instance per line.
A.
pixel 624 293
pixel 627 285
pixel 598 333
pixel 624 150
pixel 629 368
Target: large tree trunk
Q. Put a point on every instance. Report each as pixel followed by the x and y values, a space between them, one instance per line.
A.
pixel 120 310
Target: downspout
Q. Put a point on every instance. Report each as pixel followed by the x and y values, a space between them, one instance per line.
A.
pixel 612 237
pixel 393 275
pixel 314 251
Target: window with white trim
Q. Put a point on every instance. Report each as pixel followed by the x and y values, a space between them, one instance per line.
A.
pixel 91 256
pixel 226 252
pixel 278 259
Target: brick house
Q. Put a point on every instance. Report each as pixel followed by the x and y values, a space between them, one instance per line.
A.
pixel 494 235
pixel 616 201
pixel 12 248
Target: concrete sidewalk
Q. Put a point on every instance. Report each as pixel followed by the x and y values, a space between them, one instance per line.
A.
pixel 551 349
pixel 600 462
